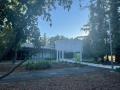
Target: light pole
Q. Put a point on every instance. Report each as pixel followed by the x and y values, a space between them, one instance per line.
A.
pixel 111 51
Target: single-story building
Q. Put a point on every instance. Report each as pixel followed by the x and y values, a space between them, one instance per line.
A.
pixel 74 46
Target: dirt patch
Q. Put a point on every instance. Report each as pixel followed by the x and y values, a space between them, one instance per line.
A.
pixel 90 81
pixel 65 65
pixel 5 67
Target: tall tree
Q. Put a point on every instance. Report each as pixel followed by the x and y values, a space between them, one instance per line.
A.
pixel 101 13
pixel 97 24
pixel 115 25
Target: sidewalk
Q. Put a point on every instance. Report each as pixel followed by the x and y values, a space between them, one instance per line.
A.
pixel 100 65
pixel 92 64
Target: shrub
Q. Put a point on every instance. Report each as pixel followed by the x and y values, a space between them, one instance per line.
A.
pixel 77 57
pixel 37 65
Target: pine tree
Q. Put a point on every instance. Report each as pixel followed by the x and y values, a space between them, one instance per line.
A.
pixel 98 30
pixel 115 26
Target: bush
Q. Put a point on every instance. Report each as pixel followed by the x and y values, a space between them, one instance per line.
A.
pixel 37 65
pixel 77 57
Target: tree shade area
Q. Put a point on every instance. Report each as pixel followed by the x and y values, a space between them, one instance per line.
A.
pixel 18 21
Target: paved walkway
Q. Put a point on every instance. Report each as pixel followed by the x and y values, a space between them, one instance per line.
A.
pixel 100 65
pixel 92 64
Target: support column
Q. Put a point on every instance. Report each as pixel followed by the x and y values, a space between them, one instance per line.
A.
pixel 62 54
pixel 81 55
pixel 57 55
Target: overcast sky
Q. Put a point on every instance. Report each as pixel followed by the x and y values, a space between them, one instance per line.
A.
pixel 64 22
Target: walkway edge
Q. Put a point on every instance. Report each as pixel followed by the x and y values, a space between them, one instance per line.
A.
pixel 100 65
pixel 92 64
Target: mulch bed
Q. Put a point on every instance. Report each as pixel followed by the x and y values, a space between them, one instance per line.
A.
pixel 90 81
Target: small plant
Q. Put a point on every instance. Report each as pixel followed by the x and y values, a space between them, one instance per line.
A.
pixel 77 57
pixel 37 65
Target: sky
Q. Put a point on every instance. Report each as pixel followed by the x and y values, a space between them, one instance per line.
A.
pixel 65 23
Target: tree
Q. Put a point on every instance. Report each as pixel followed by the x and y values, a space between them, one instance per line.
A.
pixel 98 32
pixel 55 38
pixel 44 39
pixel 87 50
pixel 115 26
pixel 35 39
pixel 5 35
pixel 101 13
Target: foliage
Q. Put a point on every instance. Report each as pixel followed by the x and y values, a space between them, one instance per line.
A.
pixel 101 12
pixel 4 39
pixel 77 57
pixel 98 28
pixel 55 38
pixel 93 61
pixel 115 25
pixel 31 65
pixel 87 50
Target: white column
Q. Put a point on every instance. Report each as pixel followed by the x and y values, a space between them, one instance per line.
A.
pixel 80 57
pixel 57 55
pixel 62 54
pixel 81 54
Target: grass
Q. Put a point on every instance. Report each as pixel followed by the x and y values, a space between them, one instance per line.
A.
pixel 64 64
pixel 93 61
pixel 117 70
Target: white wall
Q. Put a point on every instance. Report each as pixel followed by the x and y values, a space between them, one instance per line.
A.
pixel 69 45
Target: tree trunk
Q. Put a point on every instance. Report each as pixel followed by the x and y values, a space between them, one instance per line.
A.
pixel 15 57
pixel 12 70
